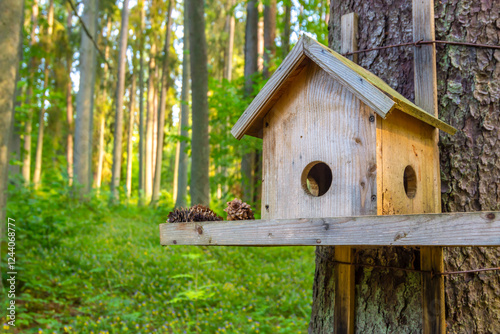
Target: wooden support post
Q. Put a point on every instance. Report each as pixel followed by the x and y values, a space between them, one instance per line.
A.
pixel 431 258
pixel 344 274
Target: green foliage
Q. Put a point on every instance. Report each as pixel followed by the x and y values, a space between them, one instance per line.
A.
pixel 83 268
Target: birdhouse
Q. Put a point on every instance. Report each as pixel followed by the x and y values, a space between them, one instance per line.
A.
pixel 338 141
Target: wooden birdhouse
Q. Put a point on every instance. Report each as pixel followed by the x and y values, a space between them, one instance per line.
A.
pixel 338 141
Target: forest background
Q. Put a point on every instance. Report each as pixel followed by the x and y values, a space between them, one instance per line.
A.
pixel 123 111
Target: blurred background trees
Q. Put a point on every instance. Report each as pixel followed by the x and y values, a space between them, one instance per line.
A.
pixel 105 88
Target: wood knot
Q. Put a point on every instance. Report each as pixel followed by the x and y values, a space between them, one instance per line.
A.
pixel 490 216
pixel 174 242
pixel 400 235
pixel 199 229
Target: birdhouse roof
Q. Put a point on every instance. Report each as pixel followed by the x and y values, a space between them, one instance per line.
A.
pixel 369 88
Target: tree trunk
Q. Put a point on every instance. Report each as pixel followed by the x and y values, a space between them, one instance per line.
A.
pixel 102 116
pixel 285 45
pixel 129 137
pixel 200 181
pixel 269 36
pixel 11 20
pixel 84 101
pixel 141 104
pixel 469 99
pixel 181 164
pixel 390 301
pixel 69 101
pixel 161 107
pixel 41 115
pixel 120 88
pixel 149 127
pixel 251 55
pixel 26 170
pixel 228 66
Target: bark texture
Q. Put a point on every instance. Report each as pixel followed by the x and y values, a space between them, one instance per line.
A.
pixel 120 89
pixel 469 99
pixel 200 182
pixel 182 157
pixel 11 17
pixel 468 93
pixel 84 101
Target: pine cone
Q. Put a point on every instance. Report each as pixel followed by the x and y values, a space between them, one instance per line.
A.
pixel 200 213
pixel 178 216
pixel 238 210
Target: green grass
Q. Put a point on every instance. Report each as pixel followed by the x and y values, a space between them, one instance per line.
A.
pixel 85 268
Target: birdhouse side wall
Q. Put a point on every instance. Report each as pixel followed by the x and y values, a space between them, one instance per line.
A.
pixel 405 142
pixel 318 120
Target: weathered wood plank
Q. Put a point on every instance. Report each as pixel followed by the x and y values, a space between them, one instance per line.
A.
pixel 339 69
pixel 257 109
pixel 349 33
pixel 431 258
pixel 443 229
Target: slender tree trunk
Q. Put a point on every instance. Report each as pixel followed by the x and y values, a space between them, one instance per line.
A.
pixel 84 101
pixel 228 68
pixel 69 101
pixel 102 116
pixel 129 137
pixel 251 55
pixel 154 139
pixel 141 105
pixel 11 20
pixel 286 31
pixel 269 36
pixel 260 40
pixel 181 164
pixel 26 170
pixel 200 181
pixel 161 107
pixel 391 302
pixel 148 175
pixel 41 122
pixel 120 87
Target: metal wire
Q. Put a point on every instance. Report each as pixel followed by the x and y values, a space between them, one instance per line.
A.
pixel 432 273
pixel 418 43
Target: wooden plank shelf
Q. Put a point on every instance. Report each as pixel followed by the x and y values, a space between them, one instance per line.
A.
pixel 444 229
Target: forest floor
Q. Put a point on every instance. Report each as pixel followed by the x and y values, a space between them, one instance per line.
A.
pixel 88 268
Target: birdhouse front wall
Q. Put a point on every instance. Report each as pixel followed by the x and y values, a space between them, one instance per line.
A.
pixel 408 166
pixel 318 132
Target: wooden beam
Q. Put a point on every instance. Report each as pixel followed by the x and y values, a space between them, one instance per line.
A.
pixel 344 311
pixel 459 229
pixel 431 258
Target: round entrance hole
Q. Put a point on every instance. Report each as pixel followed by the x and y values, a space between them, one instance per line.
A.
pixel 316 178
pixel 410 182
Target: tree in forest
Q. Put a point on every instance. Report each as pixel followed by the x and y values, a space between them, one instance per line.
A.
pixel 249 160
pixel 103 107
pixel 120 87
pixel 130 133
pixel 469 101
pixel 41 115
pixel 200 149
pixel 162 105
pixel 11 20
pixel 141 100
pixel 85 101
pixel 69 96
pixel 181 161
pixel 269 35
pixel 26 170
